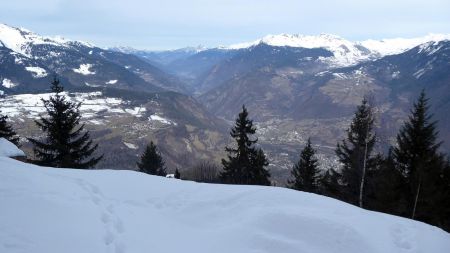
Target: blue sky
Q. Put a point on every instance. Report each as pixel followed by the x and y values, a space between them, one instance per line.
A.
pixel 169 24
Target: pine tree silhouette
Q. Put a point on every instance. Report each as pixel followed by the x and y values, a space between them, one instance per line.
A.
pixel 417 158
pixel 6 130
pixel 151 161
pixel 245 164
pixel 306 173
pixel 177 174
pixel 66 143
pixel 355 154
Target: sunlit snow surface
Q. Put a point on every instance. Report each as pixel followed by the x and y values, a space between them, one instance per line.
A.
pixel 37 72
pixel 345 52
pixel 7 149
pixel 93 103
pixel 8 83
pixel 161 119
pixel 20 40
pixel 84 69
pixel 65 210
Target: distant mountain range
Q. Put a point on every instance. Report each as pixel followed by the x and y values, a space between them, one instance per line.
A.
pixel 295 87
pixel 26 57
pixel 299 86
pixel 126 100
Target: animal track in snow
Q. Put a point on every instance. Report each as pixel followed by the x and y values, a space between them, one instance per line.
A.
pixel 113 225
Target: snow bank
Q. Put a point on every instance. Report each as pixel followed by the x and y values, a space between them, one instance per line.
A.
pixel 84 69
pixel 7 149
pixel 8 83
pixel 111 82
pixel 64 210
pixel 92 103
pixel 38 72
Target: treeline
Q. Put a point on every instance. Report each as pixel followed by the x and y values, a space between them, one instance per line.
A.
pixel 412 180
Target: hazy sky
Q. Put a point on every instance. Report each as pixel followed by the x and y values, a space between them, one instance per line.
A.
pixel 170 24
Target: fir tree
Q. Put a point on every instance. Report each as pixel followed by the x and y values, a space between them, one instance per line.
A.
pixel 355 154
pixel 152 162
pixel 6 130
pixel 417 158
pixel 66 144
pixel 306 173
pixel 177 174
pixel 246 163
pixel 443 200
pixel 259 174
pixel 389 185
pixel 330 184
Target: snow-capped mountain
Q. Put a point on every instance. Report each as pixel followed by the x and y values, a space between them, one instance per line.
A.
pixel 394 46
pixel 81 65
pixel 21 40
pixel 294 95
pixel 198 68
pixel 345 52
pixel 126 100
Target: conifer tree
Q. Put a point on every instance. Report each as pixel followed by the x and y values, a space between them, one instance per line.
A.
pixel 66 143
pixel 443 199
pixel 6 130
pixel 151 161
pixel 330 184
pixel 177 174
pixel 355 154
pixel 305 172
pixel 417 158
pixel 389 185
pixel 259 174
pixel 246 163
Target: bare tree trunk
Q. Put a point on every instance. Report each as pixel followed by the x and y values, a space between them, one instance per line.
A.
pixel 363 177
pixel 416 199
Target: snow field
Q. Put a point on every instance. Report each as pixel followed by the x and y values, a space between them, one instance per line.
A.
pixel 67 210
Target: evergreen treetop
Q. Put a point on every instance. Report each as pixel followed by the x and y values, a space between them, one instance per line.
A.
pixel 151 161
pixel 417 158
pixel 305 172
pixel 177 174
pixel 245 164
pixel 66 143
pixel 7 131
pixel 355 151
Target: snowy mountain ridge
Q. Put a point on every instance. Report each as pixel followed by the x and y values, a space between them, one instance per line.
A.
pixel 149 213
pixel 19 40
pixel 345 52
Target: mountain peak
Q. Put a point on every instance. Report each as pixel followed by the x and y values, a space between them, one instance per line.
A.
pixel 20 39
pixel 399 45
pixel 345 52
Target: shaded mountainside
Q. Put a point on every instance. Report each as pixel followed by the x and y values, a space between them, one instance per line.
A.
pixel 80 64
pixel 292 97
pixel 126 101
pixel 295 87
pixel 124 122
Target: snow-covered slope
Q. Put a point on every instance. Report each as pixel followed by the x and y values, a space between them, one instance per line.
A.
pixel 7 149
pixel 28 58
pixel 399 45
pixel 345 52
pixel 65 210
pixel 20 39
